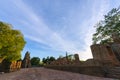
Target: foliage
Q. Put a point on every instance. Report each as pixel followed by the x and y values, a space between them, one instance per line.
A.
pixel 107 27
pixel 35 61
pixel 48 59
pixel 11 42
pixel 70 57
pixel 51 59
pixel 44 60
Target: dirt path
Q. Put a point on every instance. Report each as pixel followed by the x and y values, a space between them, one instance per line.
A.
pixel 46 74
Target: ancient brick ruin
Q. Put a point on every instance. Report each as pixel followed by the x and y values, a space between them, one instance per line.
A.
pixel 10 66
pixel 105 62
pixel 7 66
pixel 26 63
pixel 105 54
pixel 66 61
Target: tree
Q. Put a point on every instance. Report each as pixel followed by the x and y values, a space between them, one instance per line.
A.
pixel 44 60
pixel 35 61
pixel 51 59
pixel 69 57
pixel 11 42
pixel 48 59
pixel 108 27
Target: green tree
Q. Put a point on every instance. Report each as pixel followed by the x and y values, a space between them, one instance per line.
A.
pixel 51 59
pixel 11 42
pixel 108 27
pixel 44 60
pixel 48 59
pixel 35 61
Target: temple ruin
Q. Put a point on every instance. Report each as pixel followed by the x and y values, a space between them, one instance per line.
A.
pixel 105 62
pixel 26 63
pixel 105 54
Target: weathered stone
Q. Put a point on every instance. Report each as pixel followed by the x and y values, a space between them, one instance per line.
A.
pixel 113 72
pixel 104 54
pixel 26 63
pixel 116 38
pixel 105 60
pixel 61 61
pixel 66 61
pixel 7 66
pixel 76 57
pixel 91 62
pixel 116 49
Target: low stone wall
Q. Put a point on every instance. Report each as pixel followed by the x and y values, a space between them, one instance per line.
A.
pixel 110 72
pixel 89 70
pixel 114 72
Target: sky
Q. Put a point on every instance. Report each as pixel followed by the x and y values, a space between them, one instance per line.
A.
pixel 54 27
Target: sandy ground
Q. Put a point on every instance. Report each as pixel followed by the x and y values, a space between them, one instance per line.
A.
pixel 47 74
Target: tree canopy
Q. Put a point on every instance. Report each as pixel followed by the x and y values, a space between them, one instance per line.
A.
pixel 11 42
pixel 108 27
pixel 48 59
pixel 35 61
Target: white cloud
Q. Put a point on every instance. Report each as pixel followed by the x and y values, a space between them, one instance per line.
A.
pixel 39 31
pixel 96 16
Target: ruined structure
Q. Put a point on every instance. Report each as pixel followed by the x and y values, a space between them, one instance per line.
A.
pixel 105 55
pixel 116 45
pixel 116 38
pixel 66 60
pixel 116 49
pixel 61 61
pixel 26 61
pixel 108 54
pixel 77 60
pixel 10 66
pixel 7 66
pixel 105 62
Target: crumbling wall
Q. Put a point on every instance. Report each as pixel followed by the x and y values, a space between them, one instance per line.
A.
pixel 10 66
pixel 104 54
pixel 66 61
pixel 116 49
pixel 89 70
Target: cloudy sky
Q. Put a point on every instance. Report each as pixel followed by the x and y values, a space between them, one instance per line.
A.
pixel 52 27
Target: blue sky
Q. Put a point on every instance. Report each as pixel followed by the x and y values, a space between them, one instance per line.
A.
pixel 52 27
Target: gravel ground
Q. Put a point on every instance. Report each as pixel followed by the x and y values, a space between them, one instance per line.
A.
pixel 47 74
